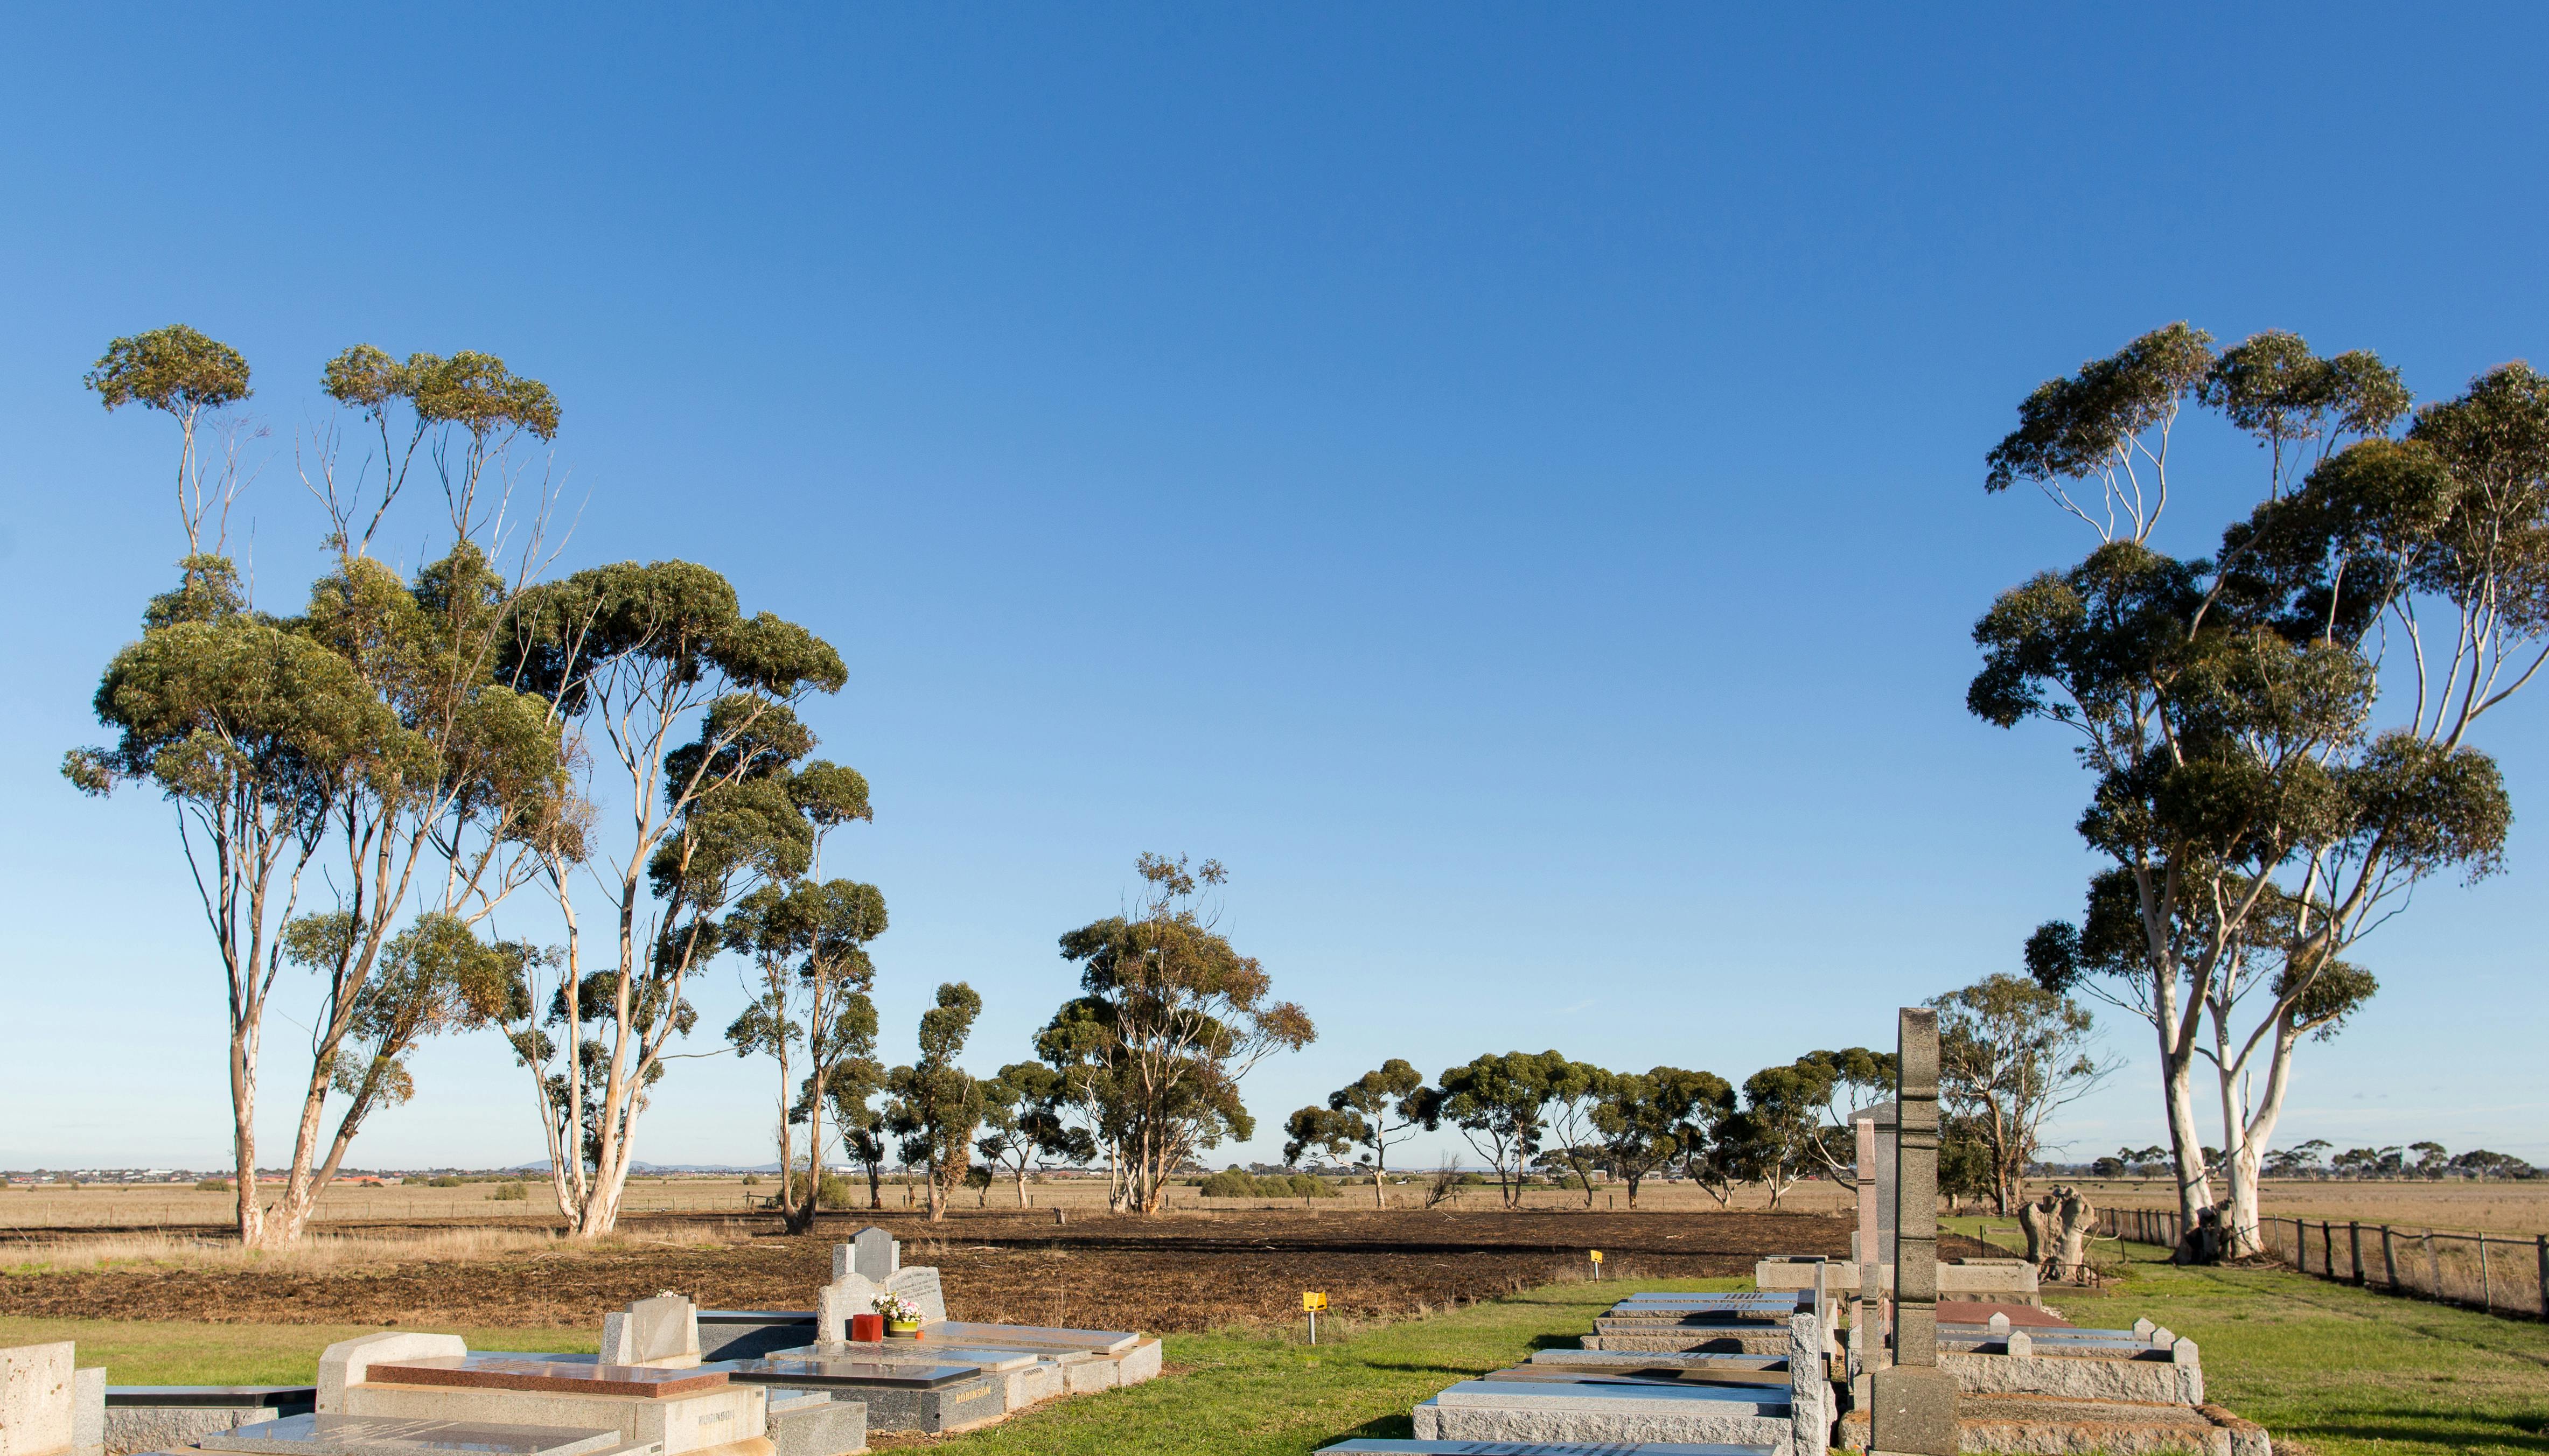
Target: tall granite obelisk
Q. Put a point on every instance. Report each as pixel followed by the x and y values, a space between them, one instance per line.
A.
pixel 1914 1409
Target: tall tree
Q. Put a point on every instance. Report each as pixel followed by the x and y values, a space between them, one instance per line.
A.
pixel 635 658
pixel 368 732
pixel 855 1082
pixel 936 1104
pixel 2258 813
pixel 1374 1112
pixel 2011 1054
pixel 1171 1018
pixel 810 974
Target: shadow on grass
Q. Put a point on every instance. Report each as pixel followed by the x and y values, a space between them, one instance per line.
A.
pixel 1379 1428
pixel 2510 1434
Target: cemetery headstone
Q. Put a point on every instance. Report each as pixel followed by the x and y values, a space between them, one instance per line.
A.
pixel 38 1404
pixel 1914 1404
pixel 663 1330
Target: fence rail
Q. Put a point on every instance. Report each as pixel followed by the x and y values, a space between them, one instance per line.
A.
pixel 2500 1273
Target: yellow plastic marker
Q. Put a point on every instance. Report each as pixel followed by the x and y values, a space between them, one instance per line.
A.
pixel 1597 1263
pixel 1312 1302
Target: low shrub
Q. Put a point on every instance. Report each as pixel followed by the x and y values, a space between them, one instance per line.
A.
pixel 213 1185
pixel 514 1192
pixel 445 1181
pixel 1235 1183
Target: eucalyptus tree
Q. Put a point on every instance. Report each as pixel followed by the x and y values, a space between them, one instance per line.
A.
pixel 369 731
pixel 937 1105
pixel 2012 1054
pixel 1376 1110
pixel 856 1080
pixel 1171 1018
pixel 1648 1120
pixel 2260 808
pixel 1498 1102
pixel 186 376
pixel 1780 1135
pixel 1860 1079
pixel 805 942
pixel 636 660
pixel 1026 1126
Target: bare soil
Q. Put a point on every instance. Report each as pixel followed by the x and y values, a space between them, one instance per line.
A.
pixel 1180 1272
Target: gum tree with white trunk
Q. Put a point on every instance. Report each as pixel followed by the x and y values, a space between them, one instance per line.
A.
pixel 2277 732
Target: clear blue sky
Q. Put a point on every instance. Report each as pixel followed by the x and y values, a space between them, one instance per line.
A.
pixel 1505 479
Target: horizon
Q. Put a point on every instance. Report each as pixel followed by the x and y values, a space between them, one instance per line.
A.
pixel 1508 485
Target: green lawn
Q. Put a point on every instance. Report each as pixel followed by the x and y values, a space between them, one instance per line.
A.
pixel 2343 1371
pixel 2339 1371
pixel 152 1352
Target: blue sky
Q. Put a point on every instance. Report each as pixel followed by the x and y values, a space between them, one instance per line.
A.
pixel 1505 481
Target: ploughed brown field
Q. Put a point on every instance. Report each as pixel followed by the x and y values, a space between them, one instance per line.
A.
pixel 1178 1272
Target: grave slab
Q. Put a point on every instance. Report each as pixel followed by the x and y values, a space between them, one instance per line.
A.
pixel 2024 1426
pixel 1481 1411
pixel 663 1332
pixel 1753 1340
pixel 816 1424
pixel 1029 1336
pixel 744 1334
pixel 161 1417
pixel 498 1371
pixel 364 1435
pixel 932 1399
pixel 1767 1365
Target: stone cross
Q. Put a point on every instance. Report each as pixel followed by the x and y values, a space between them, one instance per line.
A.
pixel 1914 1410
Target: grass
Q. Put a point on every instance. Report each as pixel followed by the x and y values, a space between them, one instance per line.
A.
pixel 1250 1393
pixel 2330 1370
pixel 2338 1370
pixel 172 1352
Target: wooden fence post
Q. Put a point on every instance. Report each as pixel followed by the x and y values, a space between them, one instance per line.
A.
pixel 2542 1246
pixel 2354 1249
pixel 2486 1287
pixel 2326 1249
pixel 2433 1263
pixel 2390 1261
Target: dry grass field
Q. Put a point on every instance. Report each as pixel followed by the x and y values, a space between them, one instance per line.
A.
pixel 146 1207
pixel 2496 1207
pixel 1182 1271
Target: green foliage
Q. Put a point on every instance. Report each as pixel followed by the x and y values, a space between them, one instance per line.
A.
pixel 2011 1053
pixel 1236 1182
pixel 937 1105
pixel 176 370
pixel 213 1185
pixel 1172 1017
pixel 442 1180
pixel 511 1193
pixel 833 1192
pixel 1648 1120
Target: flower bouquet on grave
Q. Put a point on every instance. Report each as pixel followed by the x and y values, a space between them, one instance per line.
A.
pixel 901 1317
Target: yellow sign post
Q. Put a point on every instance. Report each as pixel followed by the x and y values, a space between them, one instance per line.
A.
pixel 1312 1302
pixel 1597 1263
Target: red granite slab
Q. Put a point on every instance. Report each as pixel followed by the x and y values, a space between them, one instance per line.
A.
pixel 1979 1312
pixel 557 1377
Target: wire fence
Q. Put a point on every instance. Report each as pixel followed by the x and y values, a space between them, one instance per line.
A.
pixel 2499 1273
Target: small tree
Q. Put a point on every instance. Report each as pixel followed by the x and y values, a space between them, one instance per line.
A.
pixel 936 1105
pixel 1780 1134
pixel 1376 1110
pixel 810 971
pixel 2011 1053
pixel 1496 1101
pixel 853 1089
pixel 1173 1018
pixel 1648 1120
pixel 1024 1123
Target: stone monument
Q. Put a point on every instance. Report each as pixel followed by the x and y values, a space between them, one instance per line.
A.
pixel 1913 1410
pixel 663 1332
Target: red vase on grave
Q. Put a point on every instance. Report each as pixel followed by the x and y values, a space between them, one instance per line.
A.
pixel 867 1328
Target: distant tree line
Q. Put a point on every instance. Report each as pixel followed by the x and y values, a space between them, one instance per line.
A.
pixel 2318 1158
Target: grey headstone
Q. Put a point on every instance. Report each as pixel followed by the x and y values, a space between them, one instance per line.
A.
pixel 2184 1352
pixel 873 1254
pixel 665 1327
pixel 89 1412
pixel 1912 1403
pixel 2020 1344
pixel 920 1286
pixel 834 1303
pixel 2142 1328
pixel 2000 1326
